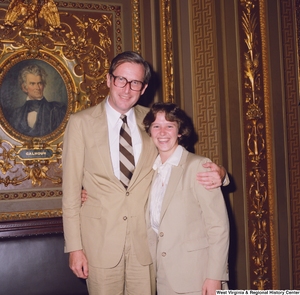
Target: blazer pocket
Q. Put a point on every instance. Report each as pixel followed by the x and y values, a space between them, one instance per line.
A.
pixel 196 244
pixel 91 211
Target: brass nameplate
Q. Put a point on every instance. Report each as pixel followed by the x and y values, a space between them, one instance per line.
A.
pixel 34 154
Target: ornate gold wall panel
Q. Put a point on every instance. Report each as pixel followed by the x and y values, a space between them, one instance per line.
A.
pixel 258 143
pixel 204 69
pixel 76 40
pixel 291 80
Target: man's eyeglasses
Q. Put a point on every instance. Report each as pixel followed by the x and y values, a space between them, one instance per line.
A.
pixel 122 82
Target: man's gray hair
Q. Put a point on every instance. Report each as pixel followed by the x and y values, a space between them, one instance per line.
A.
pixel 34 70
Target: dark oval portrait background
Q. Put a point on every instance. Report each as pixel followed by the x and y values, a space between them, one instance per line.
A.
pixel 12 96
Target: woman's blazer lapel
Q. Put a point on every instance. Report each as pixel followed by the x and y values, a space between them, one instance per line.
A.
pixel 176 174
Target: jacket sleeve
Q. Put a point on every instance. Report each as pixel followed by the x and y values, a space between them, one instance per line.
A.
pixel 73 165
pixel 217 228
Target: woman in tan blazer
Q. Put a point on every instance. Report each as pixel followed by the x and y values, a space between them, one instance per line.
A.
pixel 188 226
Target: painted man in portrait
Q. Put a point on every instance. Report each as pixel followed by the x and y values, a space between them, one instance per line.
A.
pixel 37 116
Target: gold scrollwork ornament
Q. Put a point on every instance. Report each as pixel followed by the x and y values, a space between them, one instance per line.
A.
pixel 79 48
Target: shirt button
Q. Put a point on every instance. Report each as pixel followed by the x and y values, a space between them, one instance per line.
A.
pixel 163 254
pixel 161 234
pixel 125 218
pixel 127 194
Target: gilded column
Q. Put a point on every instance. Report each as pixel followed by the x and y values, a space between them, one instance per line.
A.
pixel 258 152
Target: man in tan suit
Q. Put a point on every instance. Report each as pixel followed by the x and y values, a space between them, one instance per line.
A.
pixel 106 236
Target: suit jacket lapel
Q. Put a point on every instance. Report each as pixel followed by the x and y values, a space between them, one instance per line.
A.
pixel 99 125
pixel 147 145
pixel 176 174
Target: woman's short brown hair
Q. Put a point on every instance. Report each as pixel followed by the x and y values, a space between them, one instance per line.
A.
pixel 172 114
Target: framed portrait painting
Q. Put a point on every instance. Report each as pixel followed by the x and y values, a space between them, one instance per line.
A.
pixel 33 86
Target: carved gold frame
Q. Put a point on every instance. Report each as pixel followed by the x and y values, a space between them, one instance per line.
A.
pixel 12 59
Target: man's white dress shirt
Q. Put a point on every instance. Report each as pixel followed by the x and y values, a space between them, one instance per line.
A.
pixel 114 126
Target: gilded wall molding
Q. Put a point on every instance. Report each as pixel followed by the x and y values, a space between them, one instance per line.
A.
pixel 136 26
pixel 269 152
pixel 24 215
pixel 167 50
pixel 26 195
pixel 258 153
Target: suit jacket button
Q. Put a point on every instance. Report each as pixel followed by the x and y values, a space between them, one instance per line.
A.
pixel 161 234
pixel 163 254
pixel 125 218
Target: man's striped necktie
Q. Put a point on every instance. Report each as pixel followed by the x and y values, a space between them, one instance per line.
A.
pixel 126 153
